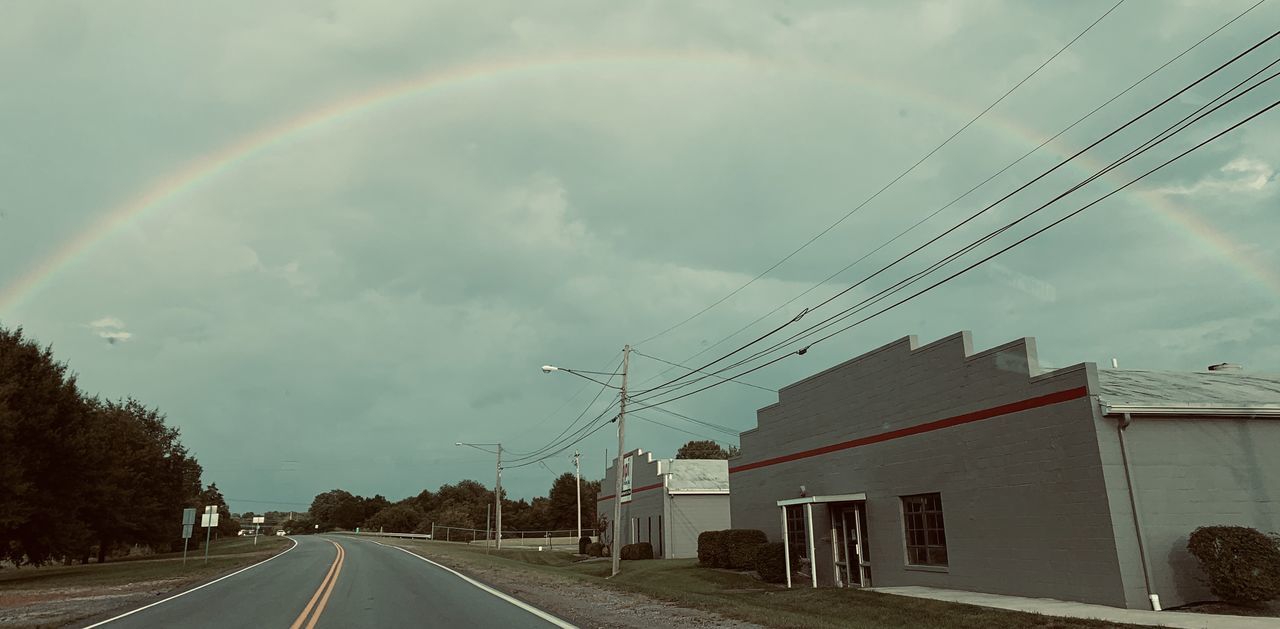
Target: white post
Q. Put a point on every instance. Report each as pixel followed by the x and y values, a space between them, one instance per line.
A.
pixel 813 554
pixel 786 546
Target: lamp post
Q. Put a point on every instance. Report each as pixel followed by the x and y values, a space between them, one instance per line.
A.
pixel 617 466
pixel 497 488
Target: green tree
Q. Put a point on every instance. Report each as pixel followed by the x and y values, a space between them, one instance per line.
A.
pixel 701 450
pixel 45 445
pixel 337 508
pixel 395 519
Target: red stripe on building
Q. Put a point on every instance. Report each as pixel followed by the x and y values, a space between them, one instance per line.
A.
pixel 1013 407
pixel 633 492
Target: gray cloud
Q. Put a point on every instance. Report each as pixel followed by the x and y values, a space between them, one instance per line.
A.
pixel 360 295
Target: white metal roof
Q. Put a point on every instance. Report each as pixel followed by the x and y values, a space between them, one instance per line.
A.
pixel 1174 392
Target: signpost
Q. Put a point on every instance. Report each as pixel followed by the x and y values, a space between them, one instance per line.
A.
pixel 209 520
pixel 188 523
pixel 257 523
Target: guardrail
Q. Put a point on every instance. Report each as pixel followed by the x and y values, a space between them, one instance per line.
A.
pixel 509 538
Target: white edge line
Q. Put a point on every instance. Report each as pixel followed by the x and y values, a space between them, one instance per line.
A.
pixel 502 595
pixel 200 587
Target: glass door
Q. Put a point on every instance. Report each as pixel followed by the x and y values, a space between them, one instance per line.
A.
pixel 853 564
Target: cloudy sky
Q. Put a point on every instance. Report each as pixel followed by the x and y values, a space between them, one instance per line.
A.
pixel 330 239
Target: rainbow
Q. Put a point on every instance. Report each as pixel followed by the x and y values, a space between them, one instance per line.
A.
pixel 163 192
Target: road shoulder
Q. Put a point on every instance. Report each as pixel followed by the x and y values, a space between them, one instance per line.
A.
pixel 575 600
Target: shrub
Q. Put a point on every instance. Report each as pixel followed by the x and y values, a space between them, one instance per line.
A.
pixel 771 562
pixel 643 550
pixel 583 543
pixel 1241 565
pixel 740 547
pixel 712 551
pixel 606 551
pixel 595 549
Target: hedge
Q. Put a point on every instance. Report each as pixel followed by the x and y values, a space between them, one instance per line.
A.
pixel 712 551
pixel 740 547
pixel 1241 565
pixel 595 549
pixel 583 543
pixel 771 562
pixel 730 548
pixel 643 550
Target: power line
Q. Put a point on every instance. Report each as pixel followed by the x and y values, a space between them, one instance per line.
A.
pixel 603 386
pixel 974 188
pixel 989 257
pixel 972 217
pixel 563 449
pixel 636 351
pixel 891 182
pixel 566 403
pixel 687 432
pixel 717 427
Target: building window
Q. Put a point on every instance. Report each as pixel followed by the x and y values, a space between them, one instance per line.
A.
pixel 926 537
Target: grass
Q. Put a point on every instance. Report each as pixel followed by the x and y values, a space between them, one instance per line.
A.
pixel 223 556
pixel 741 596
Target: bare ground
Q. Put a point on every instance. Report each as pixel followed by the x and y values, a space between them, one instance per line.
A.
pixel 58 607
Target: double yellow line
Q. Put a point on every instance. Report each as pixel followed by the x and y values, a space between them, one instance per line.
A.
pixel 322 593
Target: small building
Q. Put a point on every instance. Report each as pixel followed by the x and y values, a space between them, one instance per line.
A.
pixel 939 466
pixel 667 502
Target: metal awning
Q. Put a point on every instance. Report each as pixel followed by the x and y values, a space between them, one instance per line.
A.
pixel 823 499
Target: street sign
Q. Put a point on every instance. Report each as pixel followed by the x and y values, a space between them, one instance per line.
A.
pixel 186 531
pixel 259 519
pixel 189 516
pixel 209 519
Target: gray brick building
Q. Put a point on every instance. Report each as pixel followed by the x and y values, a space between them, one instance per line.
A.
pixel 937 466
pixel 668 502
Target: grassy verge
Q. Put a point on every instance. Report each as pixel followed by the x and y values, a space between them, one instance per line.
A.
pixel 223 556
pixel 741 596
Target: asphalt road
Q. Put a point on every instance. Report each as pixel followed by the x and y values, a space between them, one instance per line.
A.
pixel 333 583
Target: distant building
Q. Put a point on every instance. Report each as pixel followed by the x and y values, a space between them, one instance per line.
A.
pixel 937 466
pixel 668 502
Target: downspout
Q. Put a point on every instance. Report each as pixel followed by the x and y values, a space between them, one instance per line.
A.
pixel 1137 519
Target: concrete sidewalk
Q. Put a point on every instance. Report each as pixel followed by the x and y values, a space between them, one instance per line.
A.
pixel 1052 607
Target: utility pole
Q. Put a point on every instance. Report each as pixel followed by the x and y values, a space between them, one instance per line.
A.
pixel 497 488
pixel 615 551
pixel 497 498
pixel 577 483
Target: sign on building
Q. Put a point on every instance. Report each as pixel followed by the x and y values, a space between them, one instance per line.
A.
pixel 626 479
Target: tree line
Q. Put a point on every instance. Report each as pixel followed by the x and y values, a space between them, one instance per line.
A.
pixel 81 476
pixel 463 505
pixel 466 505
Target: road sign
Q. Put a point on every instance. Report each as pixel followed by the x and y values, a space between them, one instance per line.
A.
pixel 189 516
pixel 209 519
pixel 186 531
pixel 259 519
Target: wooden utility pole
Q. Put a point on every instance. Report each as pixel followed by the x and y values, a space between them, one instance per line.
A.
pixel 615 550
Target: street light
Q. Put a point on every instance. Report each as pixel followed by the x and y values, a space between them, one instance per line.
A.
pixel 497 487
pixel 614 552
